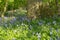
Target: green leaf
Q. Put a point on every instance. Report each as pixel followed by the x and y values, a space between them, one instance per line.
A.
pixel 0 1
pixel 11 0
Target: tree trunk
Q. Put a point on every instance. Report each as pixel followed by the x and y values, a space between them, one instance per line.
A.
pixel 5 8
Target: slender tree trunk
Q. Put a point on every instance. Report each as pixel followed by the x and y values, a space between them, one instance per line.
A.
pixel 5 8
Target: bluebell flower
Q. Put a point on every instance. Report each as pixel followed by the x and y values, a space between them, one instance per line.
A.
pixel 23 19
pixel 13 20
pixel 27 19
pixel 40 23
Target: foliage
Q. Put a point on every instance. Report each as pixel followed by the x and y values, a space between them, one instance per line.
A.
pixel 33 30
pixel 20 27
pixel 51 6
pixel 6 5
pixel 44 8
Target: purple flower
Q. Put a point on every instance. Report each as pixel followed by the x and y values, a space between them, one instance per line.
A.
pixel 13 20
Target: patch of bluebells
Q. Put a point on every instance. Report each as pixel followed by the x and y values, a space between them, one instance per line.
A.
pixel 13 20
pixel 41 22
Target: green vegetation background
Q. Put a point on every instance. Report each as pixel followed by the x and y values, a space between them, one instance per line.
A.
pixel 17 24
